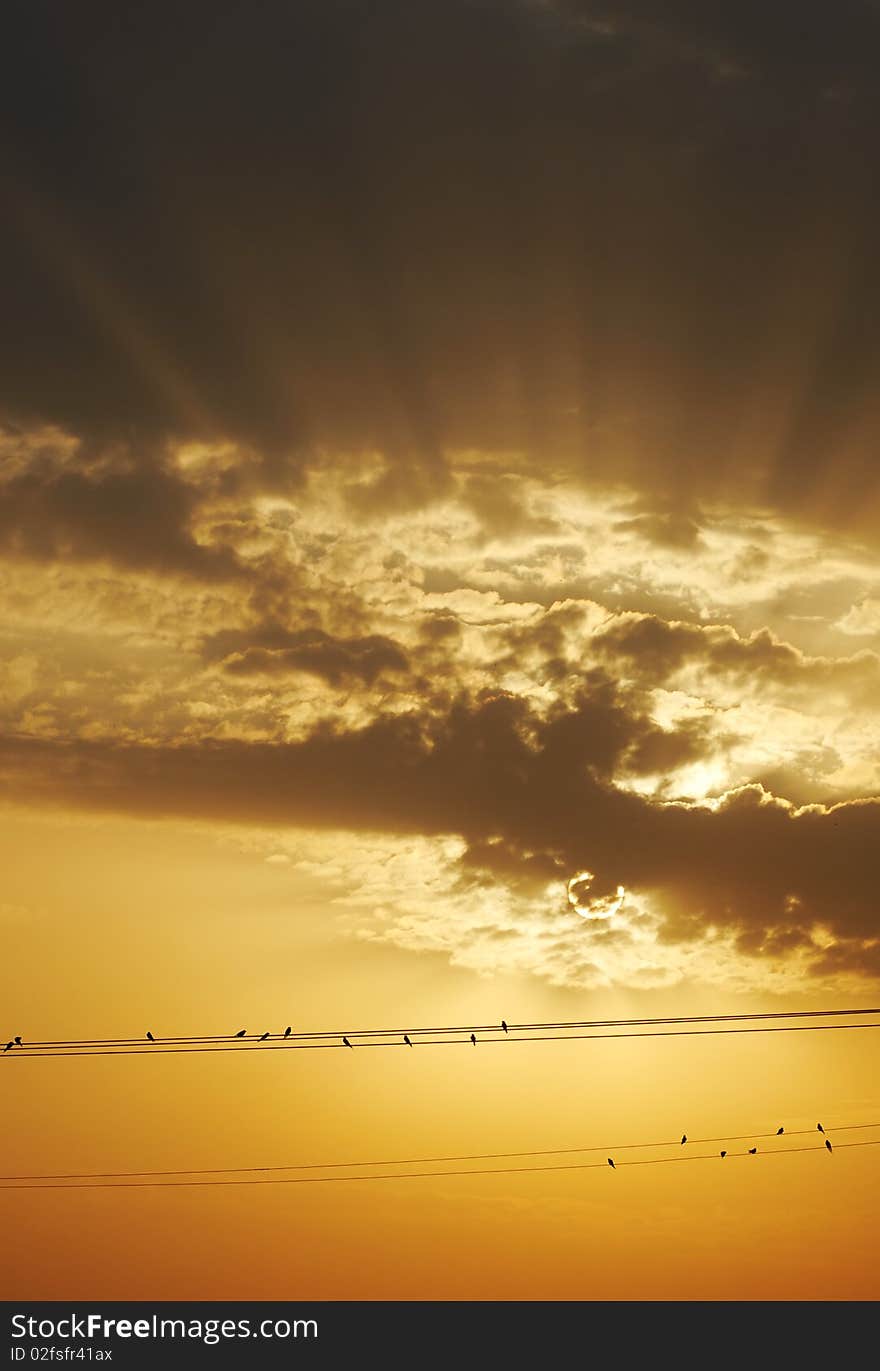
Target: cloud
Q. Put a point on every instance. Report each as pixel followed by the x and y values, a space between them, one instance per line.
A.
pixel 138 515
pixel 862 619
pixel 335 660
pixel 660 651
pixel 669 530
pixel 456 419
pixel 744 37
pixel 497 227
pixel 512 786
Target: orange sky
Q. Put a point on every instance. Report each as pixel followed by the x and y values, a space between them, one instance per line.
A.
pixel 438 582
pixel 155 924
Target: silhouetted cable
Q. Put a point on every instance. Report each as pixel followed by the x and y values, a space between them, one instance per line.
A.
pixel 464 1028
pixel 425 1175
pixel 154 1050
pixel 422 1161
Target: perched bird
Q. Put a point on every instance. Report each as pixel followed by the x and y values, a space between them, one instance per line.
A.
pixel 8 1045
pixel 241 1032
pixel 611 1164
pixel 684 1138
pixel 820 1128
pixel 346 1042
pixel 473 1040
pixel 18 1042
pixel 752 1151
pixel 779 1132
pixel 264 1037
pixel 407 1041
pixel 828 1144
pixel 724 1154
pixel 504 1026
pixel 150 1037
pixel 287 1032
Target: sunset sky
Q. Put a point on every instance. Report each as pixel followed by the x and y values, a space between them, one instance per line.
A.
pixel 439 512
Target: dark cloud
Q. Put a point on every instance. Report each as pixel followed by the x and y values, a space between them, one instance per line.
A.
pixel 639 240
pixel 669 530
pixel 821 48
pixel 657 650
pixel 439 628
pixel 335 660
pixel 530 796
pixel 653 646
pixel 498 504
pixel 138 516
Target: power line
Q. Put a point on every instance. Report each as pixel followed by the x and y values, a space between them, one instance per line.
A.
pixel 152 1050
pixel 292 1037
pixel 423 1175
pixel 424 1161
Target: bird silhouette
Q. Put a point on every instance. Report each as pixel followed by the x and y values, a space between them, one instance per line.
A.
pixel 684 1138
pixel 287 1032
pixel 504 1026
pixel 407 1041
pixel 241 1032
pixel 150 1037
pixel 473 1040
pixel 752 1151
pixel 828 1144
pixel 346 1042
pixel 18 1042
pixel 264 1037
pixel 611 1163
pixel 8 1045
pixel 820 1128
pixel 724 1154
pixel 779 1132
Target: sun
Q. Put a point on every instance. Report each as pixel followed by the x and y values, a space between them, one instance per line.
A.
pixel 598 907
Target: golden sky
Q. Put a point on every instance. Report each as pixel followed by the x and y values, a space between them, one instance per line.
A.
pixel 439 516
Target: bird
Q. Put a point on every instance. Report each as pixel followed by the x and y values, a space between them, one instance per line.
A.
pixel 264 1037
pixel 779 1132
pixel 287 1032
pixel 406 1040
pixel 611 1163
pixel 684 1138
pixel 346 1042
pixel 828 1144
pixel 8 1045
pixel 752 1151
pixel 150 1037
pixel 473 1040
pixel 820 1128
pixel 18 1041
pixel 724 1154
pixel 504 1026
pixel 241 1032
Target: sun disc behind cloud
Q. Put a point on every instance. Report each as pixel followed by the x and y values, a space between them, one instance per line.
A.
pixel 598 907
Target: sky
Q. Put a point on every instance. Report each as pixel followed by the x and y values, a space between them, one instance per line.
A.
pixel 439 515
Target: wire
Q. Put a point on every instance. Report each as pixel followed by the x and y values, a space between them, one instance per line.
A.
pixel 421 1175
pixel 424 1161
pixel 292 1038
pixel 151 1050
